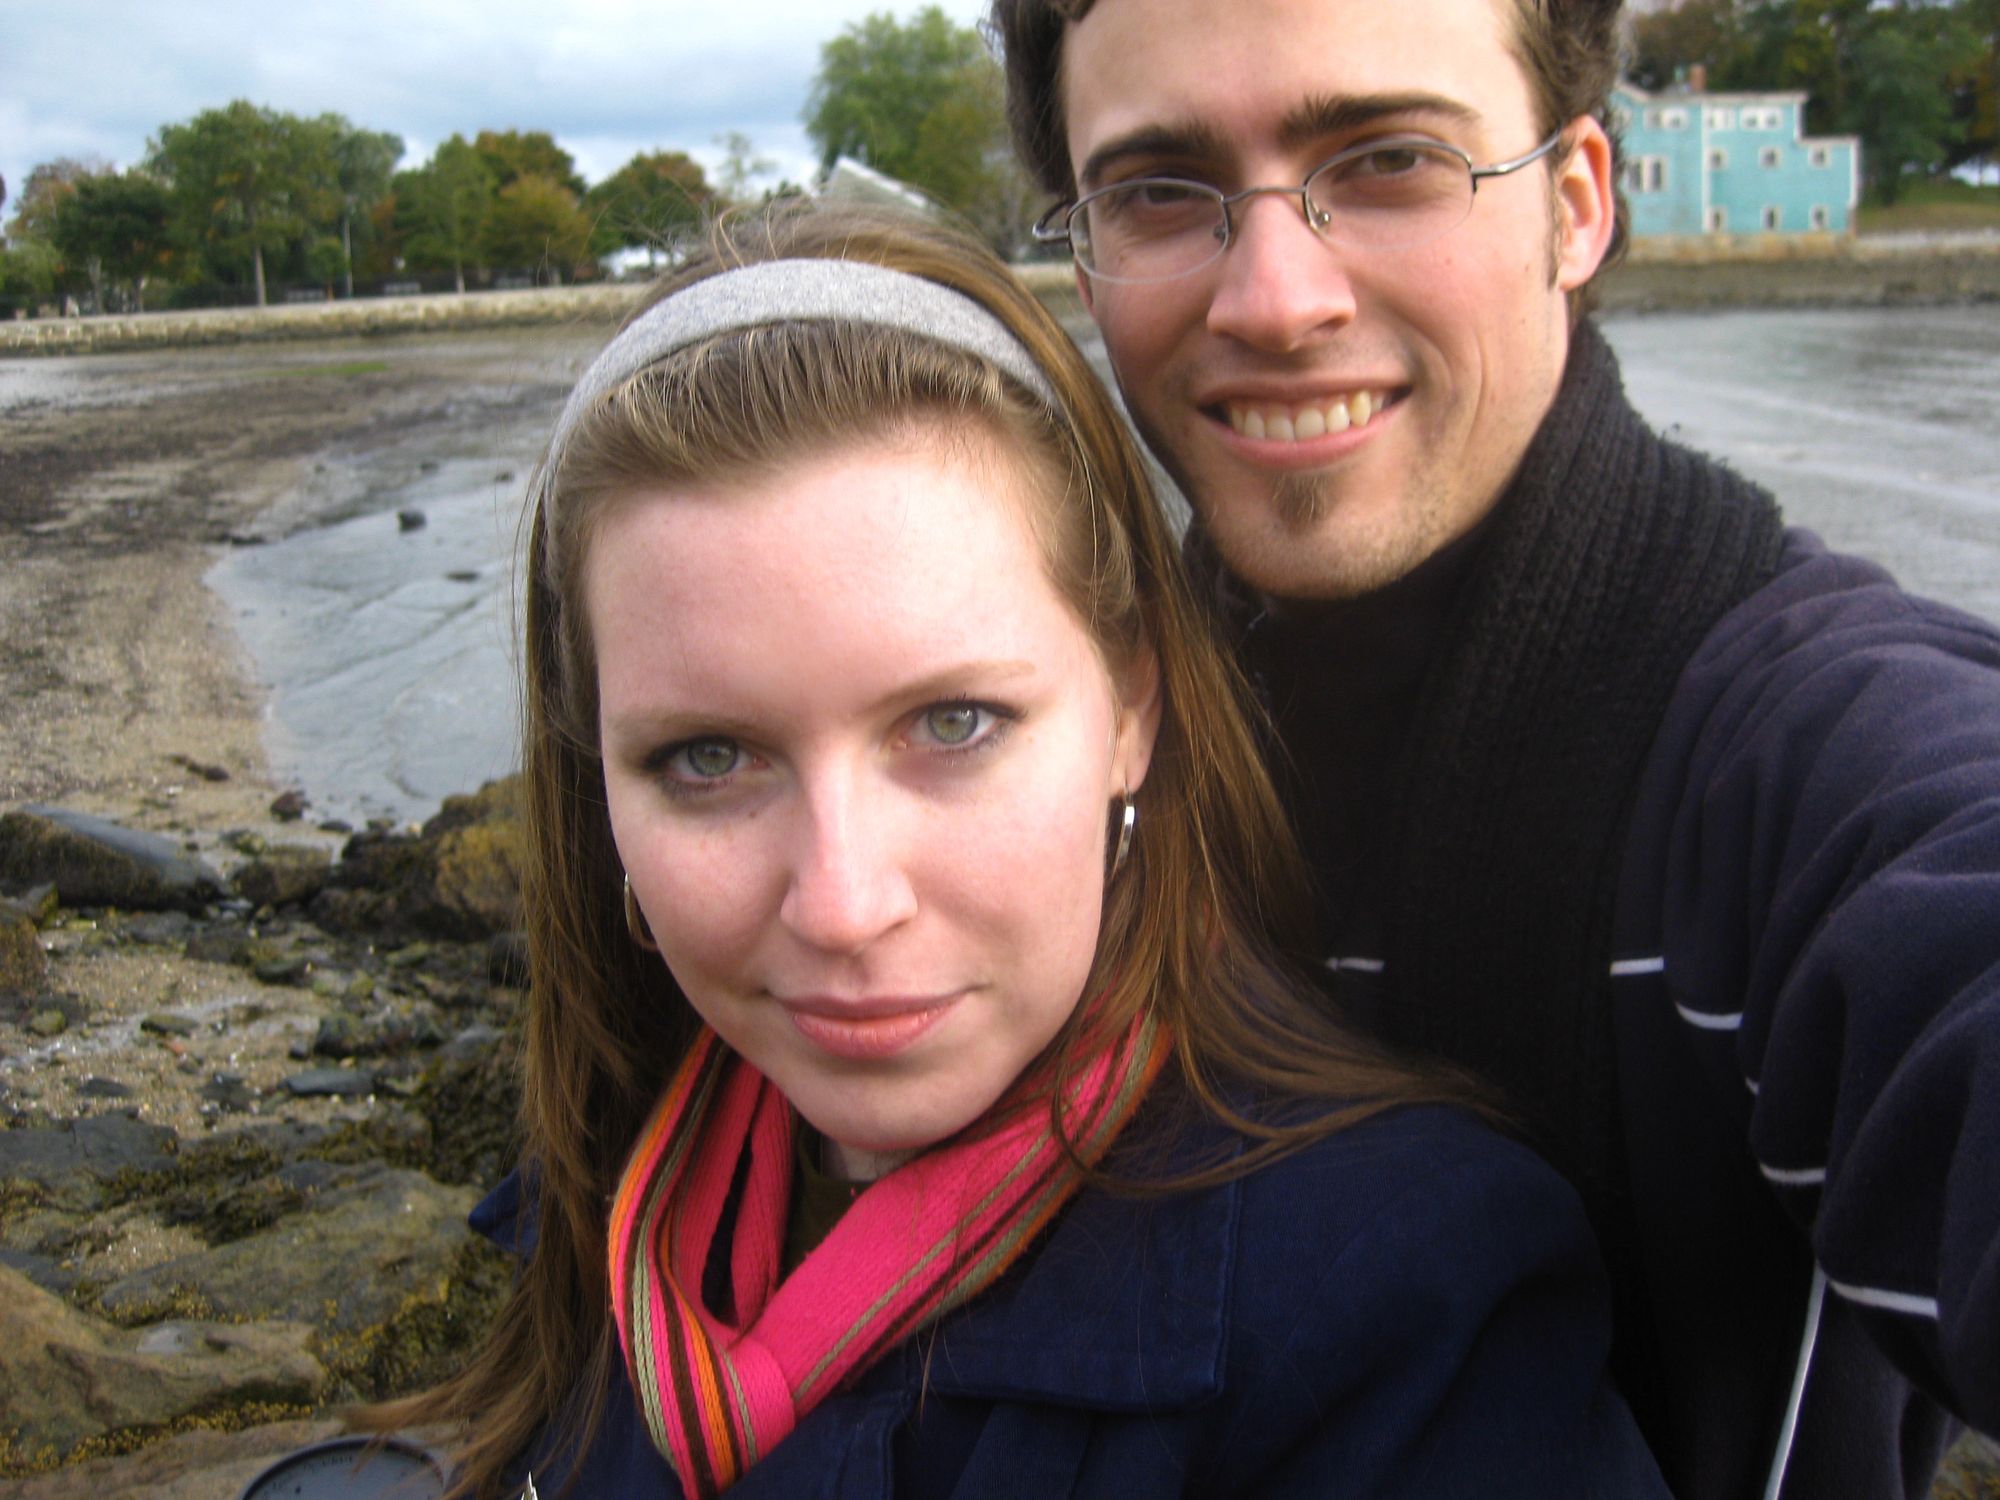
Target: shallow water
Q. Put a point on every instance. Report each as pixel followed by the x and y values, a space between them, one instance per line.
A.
pixel 1878 428
pixel 389 654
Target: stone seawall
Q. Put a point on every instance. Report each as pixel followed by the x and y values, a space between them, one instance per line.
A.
pixel 601 304
pixel 1802 272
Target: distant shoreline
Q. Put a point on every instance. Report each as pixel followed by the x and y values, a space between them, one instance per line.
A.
pixel 1655 279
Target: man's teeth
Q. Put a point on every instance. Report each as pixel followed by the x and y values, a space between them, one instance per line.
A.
pixel 1295 424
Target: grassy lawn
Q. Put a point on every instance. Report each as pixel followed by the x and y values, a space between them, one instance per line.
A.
pixel 1948 204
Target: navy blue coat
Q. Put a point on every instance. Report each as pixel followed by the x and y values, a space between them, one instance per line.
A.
pixel 1411 1308
pixel 1805 982
pixel 1808 988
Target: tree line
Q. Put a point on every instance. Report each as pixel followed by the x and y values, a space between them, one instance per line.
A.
pixel 243 196
pixel 1917 80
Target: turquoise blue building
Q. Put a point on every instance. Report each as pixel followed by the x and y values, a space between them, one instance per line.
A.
pixel 1698 163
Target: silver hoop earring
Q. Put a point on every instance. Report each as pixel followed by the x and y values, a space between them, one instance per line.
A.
pixel 635 921
pixel 1127 821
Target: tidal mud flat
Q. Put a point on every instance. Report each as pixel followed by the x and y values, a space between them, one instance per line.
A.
pixel 244 1114
pixel 253 1073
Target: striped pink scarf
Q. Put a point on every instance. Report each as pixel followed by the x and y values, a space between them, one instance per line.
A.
pixel 720 1392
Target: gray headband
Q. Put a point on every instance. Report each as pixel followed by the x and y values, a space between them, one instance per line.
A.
pixel 784 291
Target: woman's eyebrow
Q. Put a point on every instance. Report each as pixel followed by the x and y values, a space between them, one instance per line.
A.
pixel 1323 115
pixel 950 681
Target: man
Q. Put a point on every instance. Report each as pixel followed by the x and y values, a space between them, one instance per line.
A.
pixel 1681 830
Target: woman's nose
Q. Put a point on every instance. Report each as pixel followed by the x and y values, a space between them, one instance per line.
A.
pixel 849 882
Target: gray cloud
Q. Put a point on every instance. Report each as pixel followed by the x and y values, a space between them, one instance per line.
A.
pixel 606 78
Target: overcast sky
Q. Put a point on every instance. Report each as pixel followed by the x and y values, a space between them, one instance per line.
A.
pixel 607 78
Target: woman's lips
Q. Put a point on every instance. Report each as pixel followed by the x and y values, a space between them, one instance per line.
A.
pixel 869 1030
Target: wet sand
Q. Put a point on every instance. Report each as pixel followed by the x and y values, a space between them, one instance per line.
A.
pixel 120 476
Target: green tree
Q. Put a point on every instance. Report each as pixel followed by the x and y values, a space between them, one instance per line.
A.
pixel 513 154
pixel 1975 84
pixel 922 102
pixel 1897 100
pixel 363 162
pixel 652 199
pixel 537 225
pixel 116 226
pixel 42 195
pixel 444 207
pixel 29 272
pixel 246 181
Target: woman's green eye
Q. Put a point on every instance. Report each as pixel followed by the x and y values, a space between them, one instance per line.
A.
pixel 952 723
pixel 710 758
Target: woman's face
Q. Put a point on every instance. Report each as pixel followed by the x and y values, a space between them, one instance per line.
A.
pixel 859 757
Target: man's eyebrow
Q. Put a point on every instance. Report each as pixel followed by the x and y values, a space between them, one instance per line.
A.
pixel 1323 115
pixel 1190 140
pixel 1318 116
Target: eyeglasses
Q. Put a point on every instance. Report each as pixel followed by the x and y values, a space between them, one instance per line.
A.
pixel 1383 195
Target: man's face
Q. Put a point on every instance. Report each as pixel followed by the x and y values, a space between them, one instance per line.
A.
pixel 1334 415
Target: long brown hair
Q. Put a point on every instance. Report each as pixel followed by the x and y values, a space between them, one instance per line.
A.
pixel 1189 926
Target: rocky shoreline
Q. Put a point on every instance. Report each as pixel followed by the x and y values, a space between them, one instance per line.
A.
pixel 247 1114
pixel 1671 278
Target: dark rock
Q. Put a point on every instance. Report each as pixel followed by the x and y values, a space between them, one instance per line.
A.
pixel 45 1271
pixel 66 1378
pixel 287 875
pixel 24 968
pixel 167 1023
pixel 330 1083
pixel 463 575
pixel 335 825
pixel 69 1161
pixel 202 769
pixel 163 929
pixel 288 807
pixel 283 968
pixel 228 1093
pixel 411 520
pixel 339 1035
pixel 389 1233
pixel 224 943
pixel 93 862
pixel 459 877
pixel 94 1087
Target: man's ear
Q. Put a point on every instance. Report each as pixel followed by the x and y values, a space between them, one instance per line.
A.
pixel 1139 708
pixel 1586 204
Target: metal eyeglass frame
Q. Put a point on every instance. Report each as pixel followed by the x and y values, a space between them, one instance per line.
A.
pixel 1052 228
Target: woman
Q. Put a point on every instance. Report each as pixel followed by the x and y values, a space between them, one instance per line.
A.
pixel 912 1104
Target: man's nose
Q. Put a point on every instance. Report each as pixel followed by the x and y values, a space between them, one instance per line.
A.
pixel 1280 284
pixel 849 883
